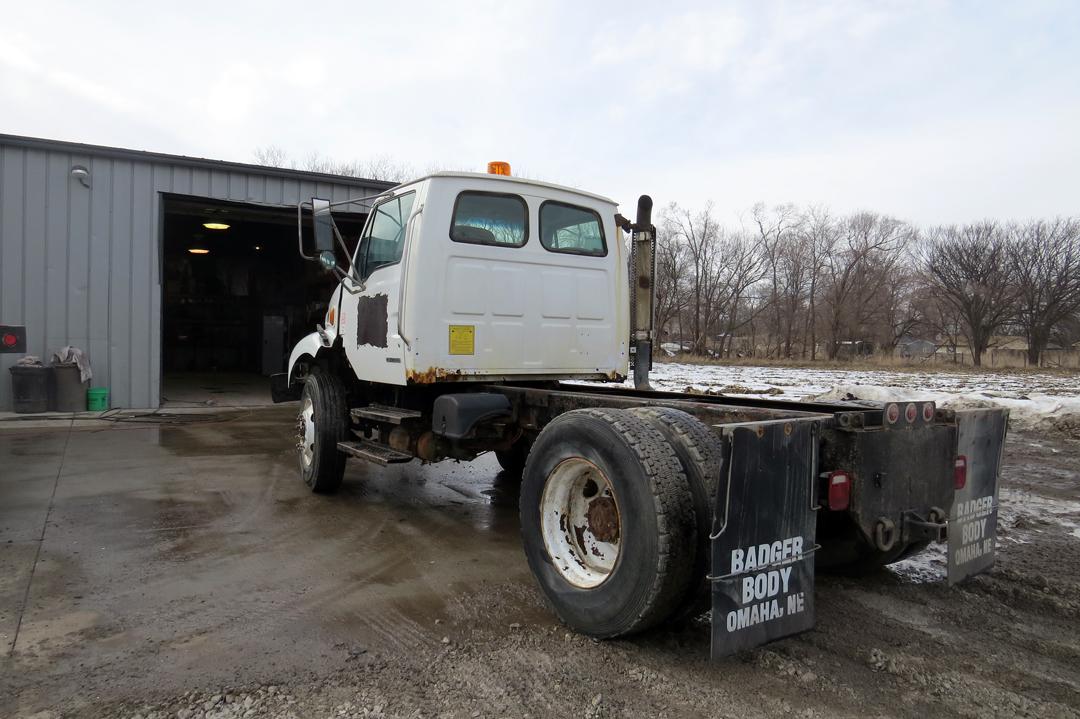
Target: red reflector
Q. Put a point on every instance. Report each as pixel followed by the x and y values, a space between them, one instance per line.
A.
pixel 839 491
pixel 910 412
pixel 960 472
pixel 10 339
pixel 892 413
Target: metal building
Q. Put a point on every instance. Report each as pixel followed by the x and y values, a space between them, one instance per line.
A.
pixel 82 246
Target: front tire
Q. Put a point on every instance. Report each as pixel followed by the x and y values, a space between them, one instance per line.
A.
pixel 322 423
pixel 608 522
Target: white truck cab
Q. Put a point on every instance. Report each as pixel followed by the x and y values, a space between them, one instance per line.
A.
pixel 465 276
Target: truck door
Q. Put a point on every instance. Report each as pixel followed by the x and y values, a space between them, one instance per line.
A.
pixel 368 323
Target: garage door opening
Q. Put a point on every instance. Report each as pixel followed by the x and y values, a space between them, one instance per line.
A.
pixel 236 297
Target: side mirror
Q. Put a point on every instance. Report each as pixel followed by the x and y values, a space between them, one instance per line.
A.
pixel 324 225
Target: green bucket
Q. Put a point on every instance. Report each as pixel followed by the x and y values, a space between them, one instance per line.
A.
pixel 97 399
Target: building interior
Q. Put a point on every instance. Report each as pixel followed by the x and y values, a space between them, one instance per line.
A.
pixel 236 297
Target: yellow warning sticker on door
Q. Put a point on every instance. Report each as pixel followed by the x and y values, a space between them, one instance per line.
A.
pixel 462 339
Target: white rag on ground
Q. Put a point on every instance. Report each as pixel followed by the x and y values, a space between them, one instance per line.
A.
pixel 74 355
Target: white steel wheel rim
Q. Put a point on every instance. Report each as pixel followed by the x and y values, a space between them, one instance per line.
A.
pixel 580 523
pixel 305 431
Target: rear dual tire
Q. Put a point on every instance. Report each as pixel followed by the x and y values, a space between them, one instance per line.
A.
pixel 608 522
pixel 701 455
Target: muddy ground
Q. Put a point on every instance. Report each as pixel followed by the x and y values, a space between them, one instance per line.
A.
pixel 182 570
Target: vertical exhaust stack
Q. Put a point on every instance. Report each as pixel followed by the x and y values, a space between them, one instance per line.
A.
pixel 643 290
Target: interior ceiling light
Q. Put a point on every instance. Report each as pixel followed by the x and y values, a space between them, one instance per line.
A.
pixel 215 225
pixel 257 247
pixel 198 251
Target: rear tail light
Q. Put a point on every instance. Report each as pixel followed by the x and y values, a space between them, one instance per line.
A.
pixel 928 412
pixel 892 413
pixel 839 491
pixel 960 472
pixel 911 413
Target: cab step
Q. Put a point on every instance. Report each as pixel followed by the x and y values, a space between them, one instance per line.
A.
pixel 373 452
pixel 379 413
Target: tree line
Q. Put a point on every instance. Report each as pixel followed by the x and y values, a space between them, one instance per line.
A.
pixel 803 282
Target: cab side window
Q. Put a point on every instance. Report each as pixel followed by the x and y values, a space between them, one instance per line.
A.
pixel 571 229
pixel 384 239
pixel 488 218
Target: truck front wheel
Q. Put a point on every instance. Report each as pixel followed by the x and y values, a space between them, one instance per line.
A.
pixel 608 522
pixel 322 423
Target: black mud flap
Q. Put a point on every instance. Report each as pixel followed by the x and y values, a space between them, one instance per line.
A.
pixel 973 519
pixel 282 391
pixel 764 526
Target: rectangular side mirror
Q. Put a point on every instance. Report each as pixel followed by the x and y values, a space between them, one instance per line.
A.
pixel 324 225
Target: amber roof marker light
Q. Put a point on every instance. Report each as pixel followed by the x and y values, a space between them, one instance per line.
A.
pixel 499 168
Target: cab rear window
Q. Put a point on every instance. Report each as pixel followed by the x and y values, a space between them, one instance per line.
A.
pixel 488 218
pixel 572 229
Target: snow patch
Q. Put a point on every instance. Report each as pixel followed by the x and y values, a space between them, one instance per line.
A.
pixel 1036 401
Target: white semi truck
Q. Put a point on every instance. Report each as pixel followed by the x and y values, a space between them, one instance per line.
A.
pixel 468 301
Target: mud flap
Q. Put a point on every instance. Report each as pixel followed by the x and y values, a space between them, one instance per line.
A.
pixel 764 524
pixel 973 519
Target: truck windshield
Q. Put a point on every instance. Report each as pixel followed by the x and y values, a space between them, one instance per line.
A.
pixel 384 239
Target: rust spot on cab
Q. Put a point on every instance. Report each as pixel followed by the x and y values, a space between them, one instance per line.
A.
pixel 432 375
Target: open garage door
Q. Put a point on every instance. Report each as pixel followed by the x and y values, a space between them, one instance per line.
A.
pixel 236 297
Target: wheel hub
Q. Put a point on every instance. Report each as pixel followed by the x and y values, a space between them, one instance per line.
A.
pixel 580 522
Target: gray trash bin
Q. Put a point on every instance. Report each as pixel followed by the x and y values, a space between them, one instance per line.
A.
pixel 30 388
pixel 69 391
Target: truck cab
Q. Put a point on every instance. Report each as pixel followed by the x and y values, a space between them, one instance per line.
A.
pixel 466 276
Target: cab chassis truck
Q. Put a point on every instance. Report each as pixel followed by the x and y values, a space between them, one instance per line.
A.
pixel 466 320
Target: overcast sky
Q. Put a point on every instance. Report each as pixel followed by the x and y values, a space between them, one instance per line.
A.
pixel 929 111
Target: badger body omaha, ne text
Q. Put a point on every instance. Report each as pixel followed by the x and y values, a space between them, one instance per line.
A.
pixel 769 593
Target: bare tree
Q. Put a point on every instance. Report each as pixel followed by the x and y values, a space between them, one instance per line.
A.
pixel 859 267
pixel 968 268
pixel 819 232
pixel 672 265
pixel 741 267
pixel 777 230
pixel 271 156
pixel 1044 257
pixel 698 232
pixel 377 167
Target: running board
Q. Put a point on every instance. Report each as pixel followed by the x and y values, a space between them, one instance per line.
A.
pixel 373 452
pixel 379 413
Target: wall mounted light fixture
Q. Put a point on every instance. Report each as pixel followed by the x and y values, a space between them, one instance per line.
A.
pixel 81 174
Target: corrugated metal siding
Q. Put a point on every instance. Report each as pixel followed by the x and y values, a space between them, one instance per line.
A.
pixel 82 266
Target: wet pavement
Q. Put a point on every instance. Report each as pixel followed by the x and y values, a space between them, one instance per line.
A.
pixel 157 565
pixel 180 551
